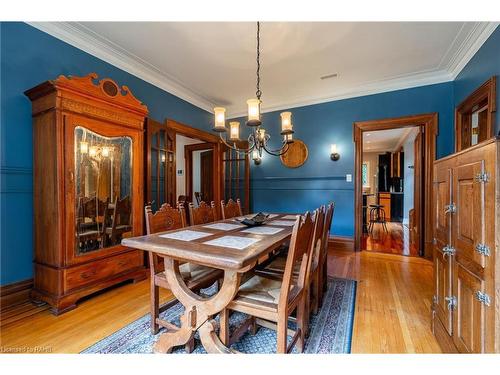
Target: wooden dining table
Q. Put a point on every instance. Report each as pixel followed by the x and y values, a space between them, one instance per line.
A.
pixel 227 245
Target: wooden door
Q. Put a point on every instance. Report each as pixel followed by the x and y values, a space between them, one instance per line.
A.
pixel 469 313
pixel 418 188
pixel 160 176
pixel 442 238
pixel 236 175
pixel 468 221
pixel 207 175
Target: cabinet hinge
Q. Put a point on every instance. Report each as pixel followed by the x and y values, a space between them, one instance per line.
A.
pixel 452 302
pixel 434 241
pixel 483 298
pixel 483 249
pixel 450 208
pixel 482 177
pixel 434 300
pixel 448 250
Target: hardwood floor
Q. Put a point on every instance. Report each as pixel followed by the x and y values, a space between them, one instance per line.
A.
pixel 395 241
pixel 392 309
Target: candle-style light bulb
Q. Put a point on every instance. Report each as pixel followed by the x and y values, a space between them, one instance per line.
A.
pixel 234 130
pixel 220 119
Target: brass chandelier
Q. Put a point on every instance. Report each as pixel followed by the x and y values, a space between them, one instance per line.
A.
pixel 258 140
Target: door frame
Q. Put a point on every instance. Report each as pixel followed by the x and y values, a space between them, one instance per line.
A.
pixel 188 131
pixel 429 127
pixel 188 166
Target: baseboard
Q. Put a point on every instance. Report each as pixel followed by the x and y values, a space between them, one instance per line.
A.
pixel 342 243
pixel 15 293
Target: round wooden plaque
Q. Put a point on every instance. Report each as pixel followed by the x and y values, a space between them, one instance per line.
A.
pixel 296 154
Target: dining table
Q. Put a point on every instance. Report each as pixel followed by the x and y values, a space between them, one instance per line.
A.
pixel 227 245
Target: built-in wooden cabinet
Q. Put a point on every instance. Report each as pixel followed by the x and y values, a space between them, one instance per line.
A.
pixel 384 199
pixel 88 187
pixel 466 314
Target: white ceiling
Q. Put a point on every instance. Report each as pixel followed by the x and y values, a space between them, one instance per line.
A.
pixel 213 63
pixel 387 140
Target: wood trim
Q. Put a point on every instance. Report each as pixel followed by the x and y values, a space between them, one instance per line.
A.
pixel 429 126
pixel 341 243
pixel 188 156
pixel 486 91
pixel 15 293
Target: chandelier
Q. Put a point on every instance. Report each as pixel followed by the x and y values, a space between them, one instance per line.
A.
pixel 258 140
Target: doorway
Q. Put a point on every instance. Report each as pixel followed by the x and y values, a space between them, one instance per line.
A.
pixel 389 186
pixel 422 167
pixel 199 162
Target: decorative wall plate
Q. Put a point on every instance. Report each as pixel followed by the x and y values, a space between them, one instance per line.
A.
pixel 296 154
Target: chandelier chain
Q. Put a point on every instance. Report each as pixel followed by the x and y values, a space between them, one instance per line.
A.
pixel 258 93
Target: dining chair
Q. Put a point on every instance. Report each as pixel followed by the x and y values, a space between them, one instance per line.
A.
pixel 330 210
pixel 119 213
pixel 271 302
pixel 231 209
pixel 202 214
pixel 90 214
pixel 195 276
pixel 274 268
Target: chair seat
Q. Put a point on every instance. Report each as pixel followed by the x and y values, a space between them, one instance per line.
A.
pixel 275 268
pixel 260 289
pixel 192 274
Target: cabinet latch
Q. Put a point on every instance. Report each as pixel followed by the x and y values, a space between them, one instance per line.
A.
pixel 482 177
pixel 448 250
pixel 452 302
pixel 483 249
pixel 450 208
pixel 483 298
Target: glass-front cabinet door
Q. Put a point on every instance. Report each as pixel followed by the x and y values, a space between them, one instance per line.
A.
pixel 161 179
pixel 103 190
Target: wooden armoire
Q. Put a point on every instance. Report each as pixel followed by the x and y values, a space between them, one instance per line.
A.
pixel 466 306
pixel 88 187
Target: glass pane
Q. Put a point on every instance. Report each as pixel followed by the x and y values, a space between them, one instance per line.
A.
pixel 162 139
pixel 103 185
pixel 161 177
pixel 154 179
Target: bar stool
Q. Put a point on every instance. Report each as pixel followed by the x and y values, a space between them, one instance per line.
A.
pixel 377 215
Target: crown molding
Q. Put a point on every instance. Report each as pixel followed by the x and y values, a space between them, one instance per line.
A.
pixel 469 46
pixel 375 87
pixel 86 40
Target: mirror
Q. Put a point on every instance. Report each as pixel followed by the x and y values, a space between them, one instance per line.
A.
pixel 103 182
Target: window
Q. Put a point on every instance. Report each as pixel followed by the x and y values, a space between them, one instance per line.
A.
pixel 364 175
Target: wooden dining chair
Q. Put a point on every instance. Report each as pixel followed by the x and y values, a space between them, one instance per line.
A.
pixel 119 214
pixel 202 214
pixel 323 281
pixel 231 209
pixel 274 268
pixel 195 276
pixel 270 302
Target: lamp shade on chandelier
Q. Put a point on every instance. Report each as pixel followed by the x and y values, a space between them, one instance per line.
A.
pixel 258 140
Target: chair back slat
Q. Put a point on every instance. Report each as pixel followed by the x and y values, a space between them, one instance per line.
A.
pixel 326 229
pixel 318 236
pixel 231 209
pixel 202 214
pixel 299 254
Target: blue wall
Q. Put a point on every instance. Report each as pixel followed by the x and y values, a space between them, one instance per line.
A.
pixel 484 64
pixel 319 180
pixel 30 57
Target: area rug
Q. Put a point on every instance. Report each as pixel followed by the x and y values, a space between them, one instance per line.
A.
pixel 330 329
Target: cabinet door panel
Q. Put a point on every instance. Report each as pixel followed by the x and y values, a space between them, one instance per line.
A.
pixel 468 221
pixel 443 288
pixel 469 314
pixel 442 235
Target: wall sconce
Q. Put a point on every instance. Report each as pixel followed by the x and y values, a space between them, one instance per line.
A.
pixel 334 155
pixel 256 157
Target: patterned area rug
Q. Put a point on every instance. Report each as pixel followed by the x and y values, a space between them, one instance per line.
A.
pixel 331 328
